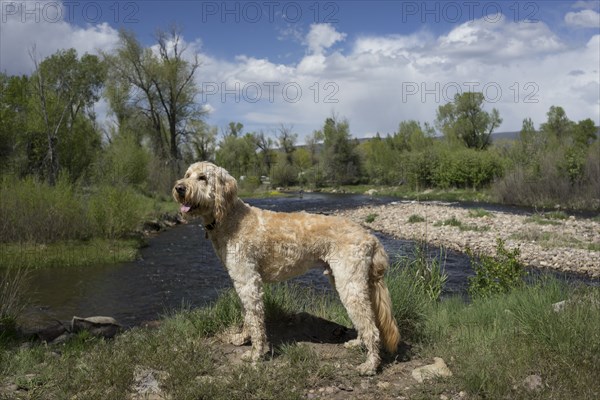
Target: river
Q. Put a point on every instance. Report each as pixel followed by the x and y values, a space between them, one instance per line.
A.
pixel 179 269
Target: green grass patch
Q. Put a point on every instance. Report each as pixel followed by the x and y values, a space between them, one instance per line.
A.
pixel 462 226
pixel 72 253
pixel 480 213
pixel 370 218
pixel 549 218
pixel 415 218
pixel 496 342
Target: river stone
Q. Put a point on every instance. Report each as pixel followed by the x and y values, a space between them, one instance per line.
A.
pixel 437 369
pixel 106 327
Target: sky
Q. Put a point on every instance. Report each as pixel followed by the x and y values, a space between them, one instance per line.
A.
pixel 375 63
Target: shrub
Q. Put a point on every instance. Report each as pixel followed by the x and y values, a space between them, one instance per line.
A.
pixel 466 168
pixel 370 218
pixel 12 299
pixel 415 218
pixel 498 274
pixel 114 211
pixel 32 211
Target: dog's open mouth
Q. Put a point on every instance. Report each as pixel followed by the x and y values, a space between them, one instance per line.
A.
pixel 186 208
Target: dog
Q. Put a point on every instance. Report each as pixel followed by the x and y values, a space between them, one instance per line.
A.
pixel 257 246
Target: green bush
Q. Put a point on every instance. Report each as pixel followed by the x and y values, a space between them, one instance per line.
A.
pixel 115 211
pixel 415 218
pixel 466 168
pixel 32 211
pixel 123 163
pixel 494 275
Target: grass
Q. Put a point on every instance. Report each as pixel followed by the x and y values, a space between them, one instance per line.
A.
pixel 462 226
pixel 548 218
pixel 497 342
pixel 370 218
pixel 415 218
pixel 551 240
pixel 491 345
pixel 404 192
pixel 480 213
pixel 72 253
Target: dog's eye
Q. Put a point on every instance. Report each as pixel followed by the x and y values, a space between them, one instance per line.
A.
pixel 202 178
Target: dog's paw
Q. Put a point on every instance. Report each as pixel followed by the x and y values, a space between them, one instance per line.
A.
pixel 351 344
pixel 253 355
pixel 237 339
pixel 367 369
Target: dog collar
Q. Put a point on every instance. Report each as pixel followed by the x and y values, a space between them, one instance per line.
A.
pixel 209 227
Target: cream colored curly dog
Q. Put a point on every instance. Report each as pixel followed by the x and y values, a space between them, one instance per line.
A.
pixel 259 246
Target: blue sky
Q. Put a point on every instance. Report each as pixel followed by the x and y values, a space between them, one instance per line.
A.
pixel 376 63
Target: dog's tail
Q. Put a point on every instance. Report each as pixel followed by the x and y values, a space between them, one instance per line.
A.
pixel 381 301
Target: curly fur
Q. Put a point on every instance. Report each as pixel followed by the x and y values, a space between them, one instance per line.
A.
pixel 259 246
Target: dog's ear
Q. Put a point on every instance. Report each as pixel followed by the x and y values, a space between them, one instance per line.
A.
pixel 225 193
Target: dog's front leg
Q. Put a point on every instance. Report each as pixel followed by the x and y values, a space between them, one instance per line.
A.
pixel 248 285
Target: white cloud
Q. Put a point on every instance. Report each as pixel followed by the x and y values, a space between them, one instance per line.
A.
pixel 378 81
pixel 42 28
pixel 321 37
pixel 591 4
pixel 583 19
pixel 375 81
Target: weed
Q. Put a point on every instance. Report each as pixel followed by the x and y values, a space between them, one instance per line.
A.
pixel 370 218
pixel 498 274
pixel 480 213
pixel 415 218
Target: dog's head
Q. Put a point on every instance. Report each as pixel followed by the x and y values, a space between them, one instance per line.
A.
pixel 205 190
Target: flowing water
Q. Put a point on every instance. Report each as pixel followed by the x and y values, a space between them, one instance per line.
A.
pixel 179 269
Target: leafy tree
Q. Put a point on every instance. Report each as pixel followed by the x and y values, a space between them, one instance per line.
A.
pixel 13 117
pixel 340 159
pixel 237 154
pixel 64 86
pixel 585 132
pixel 465 121
pixel 160 85
pixel 202 141
pixel 286 140
pixel 558 124
pixel 266 154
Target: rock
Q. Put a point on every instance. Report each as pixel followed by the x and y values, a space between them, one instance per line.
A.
pixel 533 383
pixel 371 192
pixel 560 306
pixel 146 384
pixel 383 385
pixel 106 327
pixel 51 333
pixel 437 369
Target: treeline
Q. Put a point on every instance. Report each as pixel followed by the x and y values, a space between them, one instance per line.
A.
pixel 49 132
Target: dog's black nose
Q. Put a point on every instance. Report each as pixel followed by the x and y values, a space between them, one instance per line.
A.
pixel 180 189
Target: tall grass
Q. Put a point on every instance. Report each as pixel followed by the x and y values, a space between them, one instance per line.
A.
pixel 34 212
pixel 13 299
pixel 496 342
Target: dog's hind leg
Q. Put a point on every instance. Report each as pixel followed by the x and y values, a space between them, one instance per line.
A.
pixel 353 288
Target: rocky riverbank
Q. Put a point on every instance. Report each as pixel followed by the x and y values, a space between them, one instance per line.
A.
pixel 548 241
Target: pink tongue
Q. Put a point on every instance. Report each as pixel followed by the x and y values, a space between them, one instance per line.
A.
pixel 184 208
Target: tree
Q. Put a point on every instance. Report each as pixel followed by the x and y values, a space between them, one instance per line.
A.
pixel 287 142
pixel 558 124
pixel 585 132
pixel 266 153
pixel 341 161
pixel 202 141
pixel 237 154
pixel 159 84
pixel 13 116
pixel 464 120
pixel 64 86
